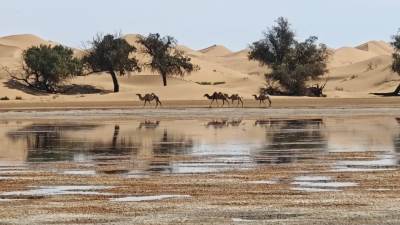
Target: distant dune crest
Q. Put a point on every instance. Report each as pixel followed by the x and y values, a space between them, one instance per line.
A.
pixel 377 47
pixel 216 50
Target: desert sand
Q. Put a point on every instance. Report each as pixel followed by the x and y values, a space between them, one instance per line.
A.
pixel 354 72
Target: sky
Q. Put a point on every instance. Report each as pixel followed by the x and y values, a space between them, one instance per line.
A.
pixel 201 23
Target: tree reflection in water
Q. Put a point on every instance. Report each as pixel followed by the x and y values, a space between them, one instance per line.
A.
pixel 291 140
pixel 58 142
pixel 396 142
pixel 46 142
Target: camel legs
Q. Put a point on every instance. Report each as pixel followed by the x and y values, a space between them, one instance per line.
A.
pixel 270 102
pixel 223 100
pixel 241 101
pixel 146 101
pixel 212 101
pixel 158 102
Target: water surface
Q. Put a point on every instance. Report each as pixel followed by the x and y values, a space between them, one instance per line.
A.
pixel 136 149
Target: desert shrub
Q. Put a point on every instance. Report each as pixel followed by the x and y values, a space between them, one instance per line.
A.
pixel 204 83
pixel 46 67
pixel 219 83
pixel 292 63
pixel 5 98
pixel 18 98
pixel 339 89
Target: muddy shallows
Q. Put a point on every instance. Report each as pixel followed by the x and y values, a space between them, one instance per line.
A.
pixel 329 170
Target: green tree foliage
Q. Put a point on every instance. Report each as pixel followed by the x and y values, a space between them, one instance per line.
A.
pixel 396 54
pixel 293 63
pixel 111 54
pixel 396 58
pixel 46 67
pixel 165 58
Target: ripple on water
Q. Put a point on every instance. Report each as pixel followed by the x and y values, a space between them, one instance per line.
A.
pixel 383 163
pixel 319 184
pixel 263 182
pixel 59 190
pixel 147 198
pixel 80 172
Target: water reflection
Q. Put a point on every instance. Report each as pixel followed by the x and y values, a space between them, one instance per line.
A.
pixel 51 142
pixel 396 141
pixel 148 124
pixel 291 140
pixel 218 124
pixel 138 148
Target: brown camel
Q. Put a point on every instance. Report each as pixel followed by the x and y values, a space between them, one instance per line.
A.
pixel 235 97
pixel 217 96
pixel 262 99
pixel 149 98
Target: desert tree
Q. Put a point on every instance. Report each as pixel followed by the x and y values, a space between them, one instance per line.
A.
pixel 292 63
pixel 46 67
pixel 396 58
pixel 111 54
pixel 165 58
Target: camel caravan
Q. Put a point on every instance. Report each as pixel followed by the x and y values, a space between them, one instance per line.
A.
pixel 262 98
pixel 236 97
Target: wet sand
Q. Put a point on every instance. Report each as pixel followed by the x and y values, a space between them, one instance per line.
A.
pixel 223 198
pixel 321 170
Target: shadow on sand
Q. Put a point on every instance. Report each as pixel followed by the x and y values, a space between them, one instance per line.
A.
pixel 70 89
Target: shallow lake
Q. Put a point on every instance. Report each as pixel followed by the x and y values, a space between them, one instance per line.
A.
pixel 136 148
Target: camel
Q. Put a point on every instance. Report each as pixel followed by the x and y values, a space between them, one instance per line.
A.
pixel 157 99
pixel 217 96
pixel 235 97
pixel 149 98
pixel 262 98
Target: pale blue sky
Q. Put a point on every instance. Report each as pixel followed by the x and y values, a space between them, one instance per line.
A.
pixel 200 23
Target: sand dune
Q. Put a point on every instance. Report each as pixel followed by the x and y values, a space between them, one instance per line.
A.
pixel 216 50
pixel 238 61
pixel 23 41
pixel 377 47
pixel 188 51
pixel 371 75
pixel 347 56
pixel 7 51
pixel 354 72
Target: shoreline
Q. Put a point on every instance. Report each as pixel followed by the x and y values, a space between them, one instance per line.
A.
pixel 196 113
pixel 277 103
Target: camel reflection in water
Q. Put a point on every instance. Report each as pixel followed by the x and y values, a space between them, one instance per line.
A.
pixel 223 123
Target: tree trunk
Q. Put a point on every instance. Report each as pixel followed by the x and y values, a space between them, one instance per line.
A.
pixel 115 81
pixel 164 78
pixel 397 91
